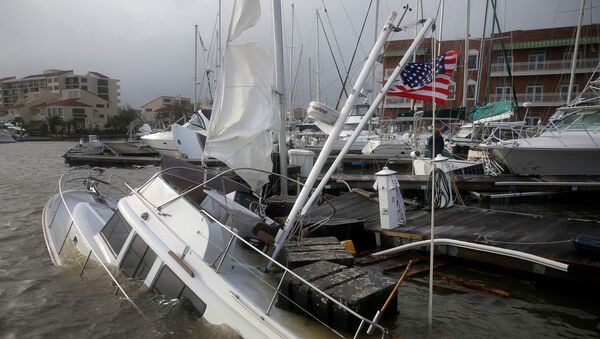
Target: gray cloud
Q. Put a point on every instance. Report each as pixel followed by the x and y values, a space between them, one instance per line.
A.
pixel 149 46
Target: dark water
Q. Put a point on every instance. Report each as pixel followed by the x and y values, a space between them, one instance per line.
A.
pixel 40 300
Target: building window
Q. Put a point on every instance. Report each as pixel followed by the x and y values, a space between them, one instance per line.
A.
pixel 532 118
pixel 101 116
pixel 56 88
pixel 166 101
pixel 99 105
pixel 55 79
pixel 568 59
pixel 74 94
pixel 503 93
pixel 83 79
pixel 49 88
pixel 536 61
pixel 116 232
pixel 564 92
pixel 148 109
pixel 102 82
pixel 388 73
pixel 471 89
pixel 452 90
pixel 534 93
pixel 84 88
pixel 79 110
pixel 472 59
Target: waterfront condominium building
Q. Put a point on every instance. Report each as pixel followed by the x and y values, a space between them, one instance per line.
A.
pixel 88 100
pixel 539 62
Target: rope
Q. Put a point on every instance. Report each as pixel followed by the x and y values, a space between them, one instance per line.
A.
pixel 442 192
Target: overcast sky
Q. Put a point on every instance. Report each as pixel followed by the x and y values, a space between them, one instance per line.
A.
pixel 149 46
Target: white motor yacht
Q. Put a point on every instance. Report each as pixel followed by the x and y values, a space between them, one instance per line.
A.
pixel 569 146
pixel 166 143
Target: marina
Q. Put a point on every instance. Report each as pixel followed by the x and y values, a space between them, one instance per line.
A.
pixel 448 191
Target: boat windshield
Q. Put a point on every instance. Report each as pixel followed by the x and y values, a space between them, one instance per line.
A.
pixel 580 121
pixel 195 123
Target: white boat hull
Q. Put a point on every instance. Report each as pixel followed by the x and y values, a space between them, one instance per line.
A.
pixel 162 142
pixel 390 149
pixel 536 161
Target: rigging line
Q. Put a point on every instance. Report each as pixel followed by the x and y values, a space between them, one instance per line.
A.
pixel 335 37
pixel 295 82
pixel 365 54
pixel 354 54
pixel 333 56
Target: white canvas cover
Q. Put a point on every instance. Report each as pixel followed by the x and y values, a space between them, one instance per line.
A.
pixel 243 113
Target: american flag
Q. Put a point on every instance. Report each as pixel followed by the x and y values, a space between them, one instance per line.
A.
pixel 416 79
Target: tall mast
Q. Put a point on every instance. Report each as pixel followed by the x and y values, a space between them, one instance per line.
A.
pixel 574 61
pixel 195 66
pixel 318 69
pixel 375 33
pixel 219 39
pixel 280 83
pixel 466 58
pixel 481 54
pixel 291 58
pixel 310 97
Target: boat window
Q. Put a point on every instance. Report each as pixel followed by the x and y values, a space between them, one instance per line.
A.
pixel 577 121
pixel 170 286
pixel 138 260
pixel 115 232
pixel 196 123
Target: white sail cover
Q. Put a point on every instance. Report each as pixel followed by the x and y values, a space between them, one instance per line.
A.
pixel 243 113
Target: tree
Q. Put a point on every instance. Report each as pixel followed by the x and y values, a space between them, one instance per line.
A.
pixel 181 108
pixel 120 122
pixel 53 122
pixel 68 124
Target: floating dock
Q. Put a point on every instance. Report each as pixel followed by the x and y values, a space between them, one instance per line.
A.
pixel 485 183
pixel 546 237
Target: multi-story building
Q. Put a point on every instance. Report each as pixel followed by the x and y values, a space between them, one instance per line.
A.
pixel 30 96
pixel 540 64
pixel 152 110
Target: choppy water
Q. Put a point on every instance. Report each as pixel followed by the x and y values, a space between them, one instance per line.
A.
pixel 40 300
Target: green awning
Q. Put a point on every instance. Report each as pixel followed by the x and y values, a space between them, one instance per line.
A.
pixel 547 43
pixel 448 113
pixel 390 52
pixel 499 110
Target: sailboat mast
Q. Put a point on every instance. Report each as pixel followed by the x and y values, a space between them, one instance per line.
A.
pixel 481 54
pixel 318 97
pixel 195 67
pixel 576 48
pixel 280 83
pixel 465 58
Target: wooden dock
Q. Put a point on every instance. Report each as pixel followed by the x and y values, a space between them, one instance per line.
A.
pixel 539 235
pixel 486 183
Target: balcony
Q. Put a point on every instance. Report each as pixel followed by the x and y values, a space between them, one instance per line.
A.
pixel 541 100
pixel 541 68
pixel 399 102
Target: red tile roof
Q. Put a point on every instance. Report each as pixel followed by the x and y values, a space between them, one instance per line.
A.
pixel 69 102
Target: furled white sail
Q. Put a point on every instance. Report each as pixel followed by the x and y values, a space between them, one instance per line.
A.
pixel 243 113
pixel 245 15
